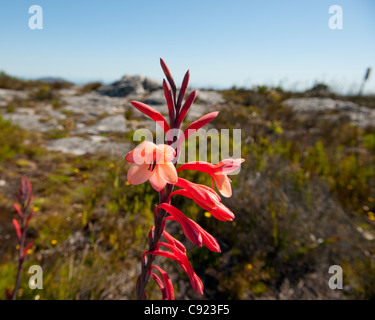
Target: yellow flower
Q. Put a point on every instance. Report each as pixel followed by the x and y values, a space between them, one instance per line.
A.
pixel 76 170
pixel 371 215
pixel 207 214
pixel 53 242
pixel 249 266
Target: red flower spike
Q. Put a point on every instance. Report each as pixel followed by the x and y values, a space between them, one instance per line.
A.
pixel 220 212
pixel 24 191
pixel 160 285
pixel 19 212
pixel 174 242
pixel 183 89
pixel 152 113
pixel 190 230
pixel 189 101
pixel 183 261
pixel 169 290
pixel 17 227
pixel 205 197
pixel 168 76
pixel 218 172
pixel 168 98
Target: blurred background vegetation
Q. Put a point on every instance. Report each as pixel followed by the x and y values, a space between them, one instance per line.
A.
pixel 304 200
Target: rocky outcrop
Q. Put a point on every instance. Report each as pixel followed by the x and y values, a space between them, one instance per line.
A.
pixel 130 85
pixel 359 115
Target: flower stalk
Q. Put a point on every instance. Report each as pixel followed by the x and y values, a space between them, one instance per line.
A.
pixel 157 163
pixel 24 199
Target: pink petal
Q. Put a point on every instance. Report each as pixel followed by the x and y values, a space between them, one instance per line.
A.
pixel 139 173
pixel 227 166
pixel 167 172
pixel 164 153
pixel 157 182
pixel 143 153
pixel 223 185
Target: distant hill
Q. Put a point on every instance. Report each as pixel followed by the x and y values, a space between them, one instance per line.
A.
pixel 52 79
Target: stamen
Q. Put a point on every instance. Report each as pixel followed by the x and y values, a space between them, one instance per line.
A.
pixel 153 165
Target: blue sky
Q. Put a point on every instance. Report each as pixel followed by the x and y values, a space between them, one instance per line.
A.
pixel 223 43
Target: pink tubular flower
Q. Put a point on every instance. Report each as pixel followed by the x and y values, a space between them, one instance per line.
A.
pixel 205 197
pixel 192 230
pixel 152 162
pixel 166 285
pixel 218 172
pixel 182 260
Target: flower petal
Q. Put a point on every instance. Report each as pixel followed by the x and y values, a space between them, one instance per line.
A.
pixel 164 153
pixel 168 172
pixel 157 182
pixel 227 166
pixel 223 184
pixel 139 173
pixel 152 113
pixel 143 153
pixel 188 226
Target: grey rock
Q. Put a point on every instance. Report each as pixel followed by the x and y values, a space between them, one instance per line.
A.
pixel 210 97
pixel 94 104
pixel 80 146
pixel 7 95
pixel 114 123
pixel 155 98
pixel 33 122
pixel 130 85
pixel 359 115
